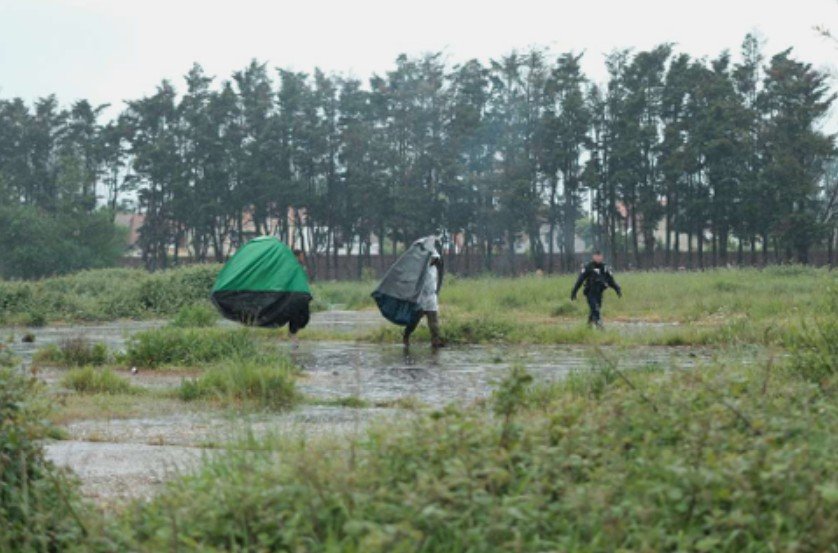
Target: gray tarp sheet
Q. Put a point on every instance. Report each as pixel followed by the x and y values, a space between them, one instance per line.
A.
pixel 398 292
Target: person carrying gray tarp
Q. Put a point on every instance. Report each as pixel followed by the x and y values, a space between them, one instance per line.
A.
pixel 410 289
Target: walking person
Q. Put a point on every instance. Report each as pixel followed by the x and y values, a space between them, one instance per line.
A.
pixel 597 278
pixel 428 303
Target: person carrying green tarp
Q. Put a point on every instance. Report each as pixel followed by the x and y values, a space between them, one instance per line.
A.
pixel 263 284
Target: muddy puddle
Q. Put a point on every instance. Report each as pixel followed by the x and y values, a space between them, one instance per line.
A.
pixel 384 374
pixel 121 458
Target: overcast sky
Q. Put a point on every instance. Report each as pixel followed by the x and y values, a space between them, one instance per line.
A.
pixel 111 50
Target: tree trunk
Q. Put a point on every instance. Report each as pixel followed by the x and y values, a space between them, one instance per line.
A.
pixel 634 240
pixel 668 240
pixel 690 250
pixel 552 247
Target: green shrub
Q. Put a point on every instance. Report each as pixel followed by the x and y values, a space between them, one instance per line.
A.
pixel 88 380
pixel 167 292
pixel 39 505
pixel 107 294
pixel 73 352
pixel 35 317
pixel 270 383
pixel 188 346
pixel 199 315
pixel 715 460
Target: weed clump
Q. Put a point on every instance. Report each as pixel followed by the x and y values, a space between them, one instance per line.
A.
pixel 269 383
pixel 199 315
pixel 188 347
pixel 88 380
pixel 73 352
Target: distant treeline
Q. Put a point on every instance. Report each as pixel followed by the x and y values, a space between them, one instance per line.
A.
pixel 723 153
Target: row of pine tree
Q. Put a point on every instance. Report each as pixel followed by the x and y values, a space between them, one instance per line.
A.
pixel 726 156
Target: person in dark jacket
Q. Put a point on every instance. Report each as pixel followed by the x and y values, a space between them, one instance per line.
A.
pixel 596 277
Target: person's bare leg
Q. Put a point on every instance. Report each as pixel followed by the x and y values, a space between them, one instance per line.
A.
pixel 433 326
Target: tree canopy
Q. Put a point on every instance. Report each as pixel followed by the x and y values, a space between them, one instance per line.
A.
pixel 673 156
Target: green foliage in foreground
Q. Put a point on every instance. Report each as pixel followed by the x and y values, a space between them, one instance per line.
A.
pixel 88 380
pixel 267 382
pixel 38 504
pixel 189 346
pixel 723 459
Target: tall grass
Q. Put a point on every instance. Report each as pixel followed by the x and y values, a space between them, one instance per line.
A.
pixel 726 459
pixel 186 347
pixel 106 294
pixel 715 306
pixel 88 380
pixel 814 344
pixel 267 382
pixel 73 352
pixel 195 316
pixel 651 296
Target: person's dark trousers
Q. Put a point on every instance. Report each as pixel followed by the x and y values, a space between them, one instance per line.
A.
pixel 433 326
pixel 595 304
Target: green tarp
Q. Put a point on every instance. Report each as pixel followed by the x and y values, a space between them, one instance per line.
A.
pixel 263 284
pixel 263 265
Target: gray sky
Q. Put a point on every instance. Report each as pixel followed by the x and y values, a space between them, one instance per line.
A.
pixel 112 50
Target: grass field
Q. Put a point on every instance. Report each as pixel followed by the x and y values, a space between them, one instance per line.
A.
pixel 732 453
pixel 712 307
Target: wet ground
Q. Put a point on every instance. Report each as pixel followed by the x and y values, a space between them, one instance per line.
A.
pixel 120 458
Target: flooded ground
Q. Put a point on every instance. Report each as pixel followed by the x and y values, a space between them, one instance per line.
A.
pixel 119 458
pixel 385 373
